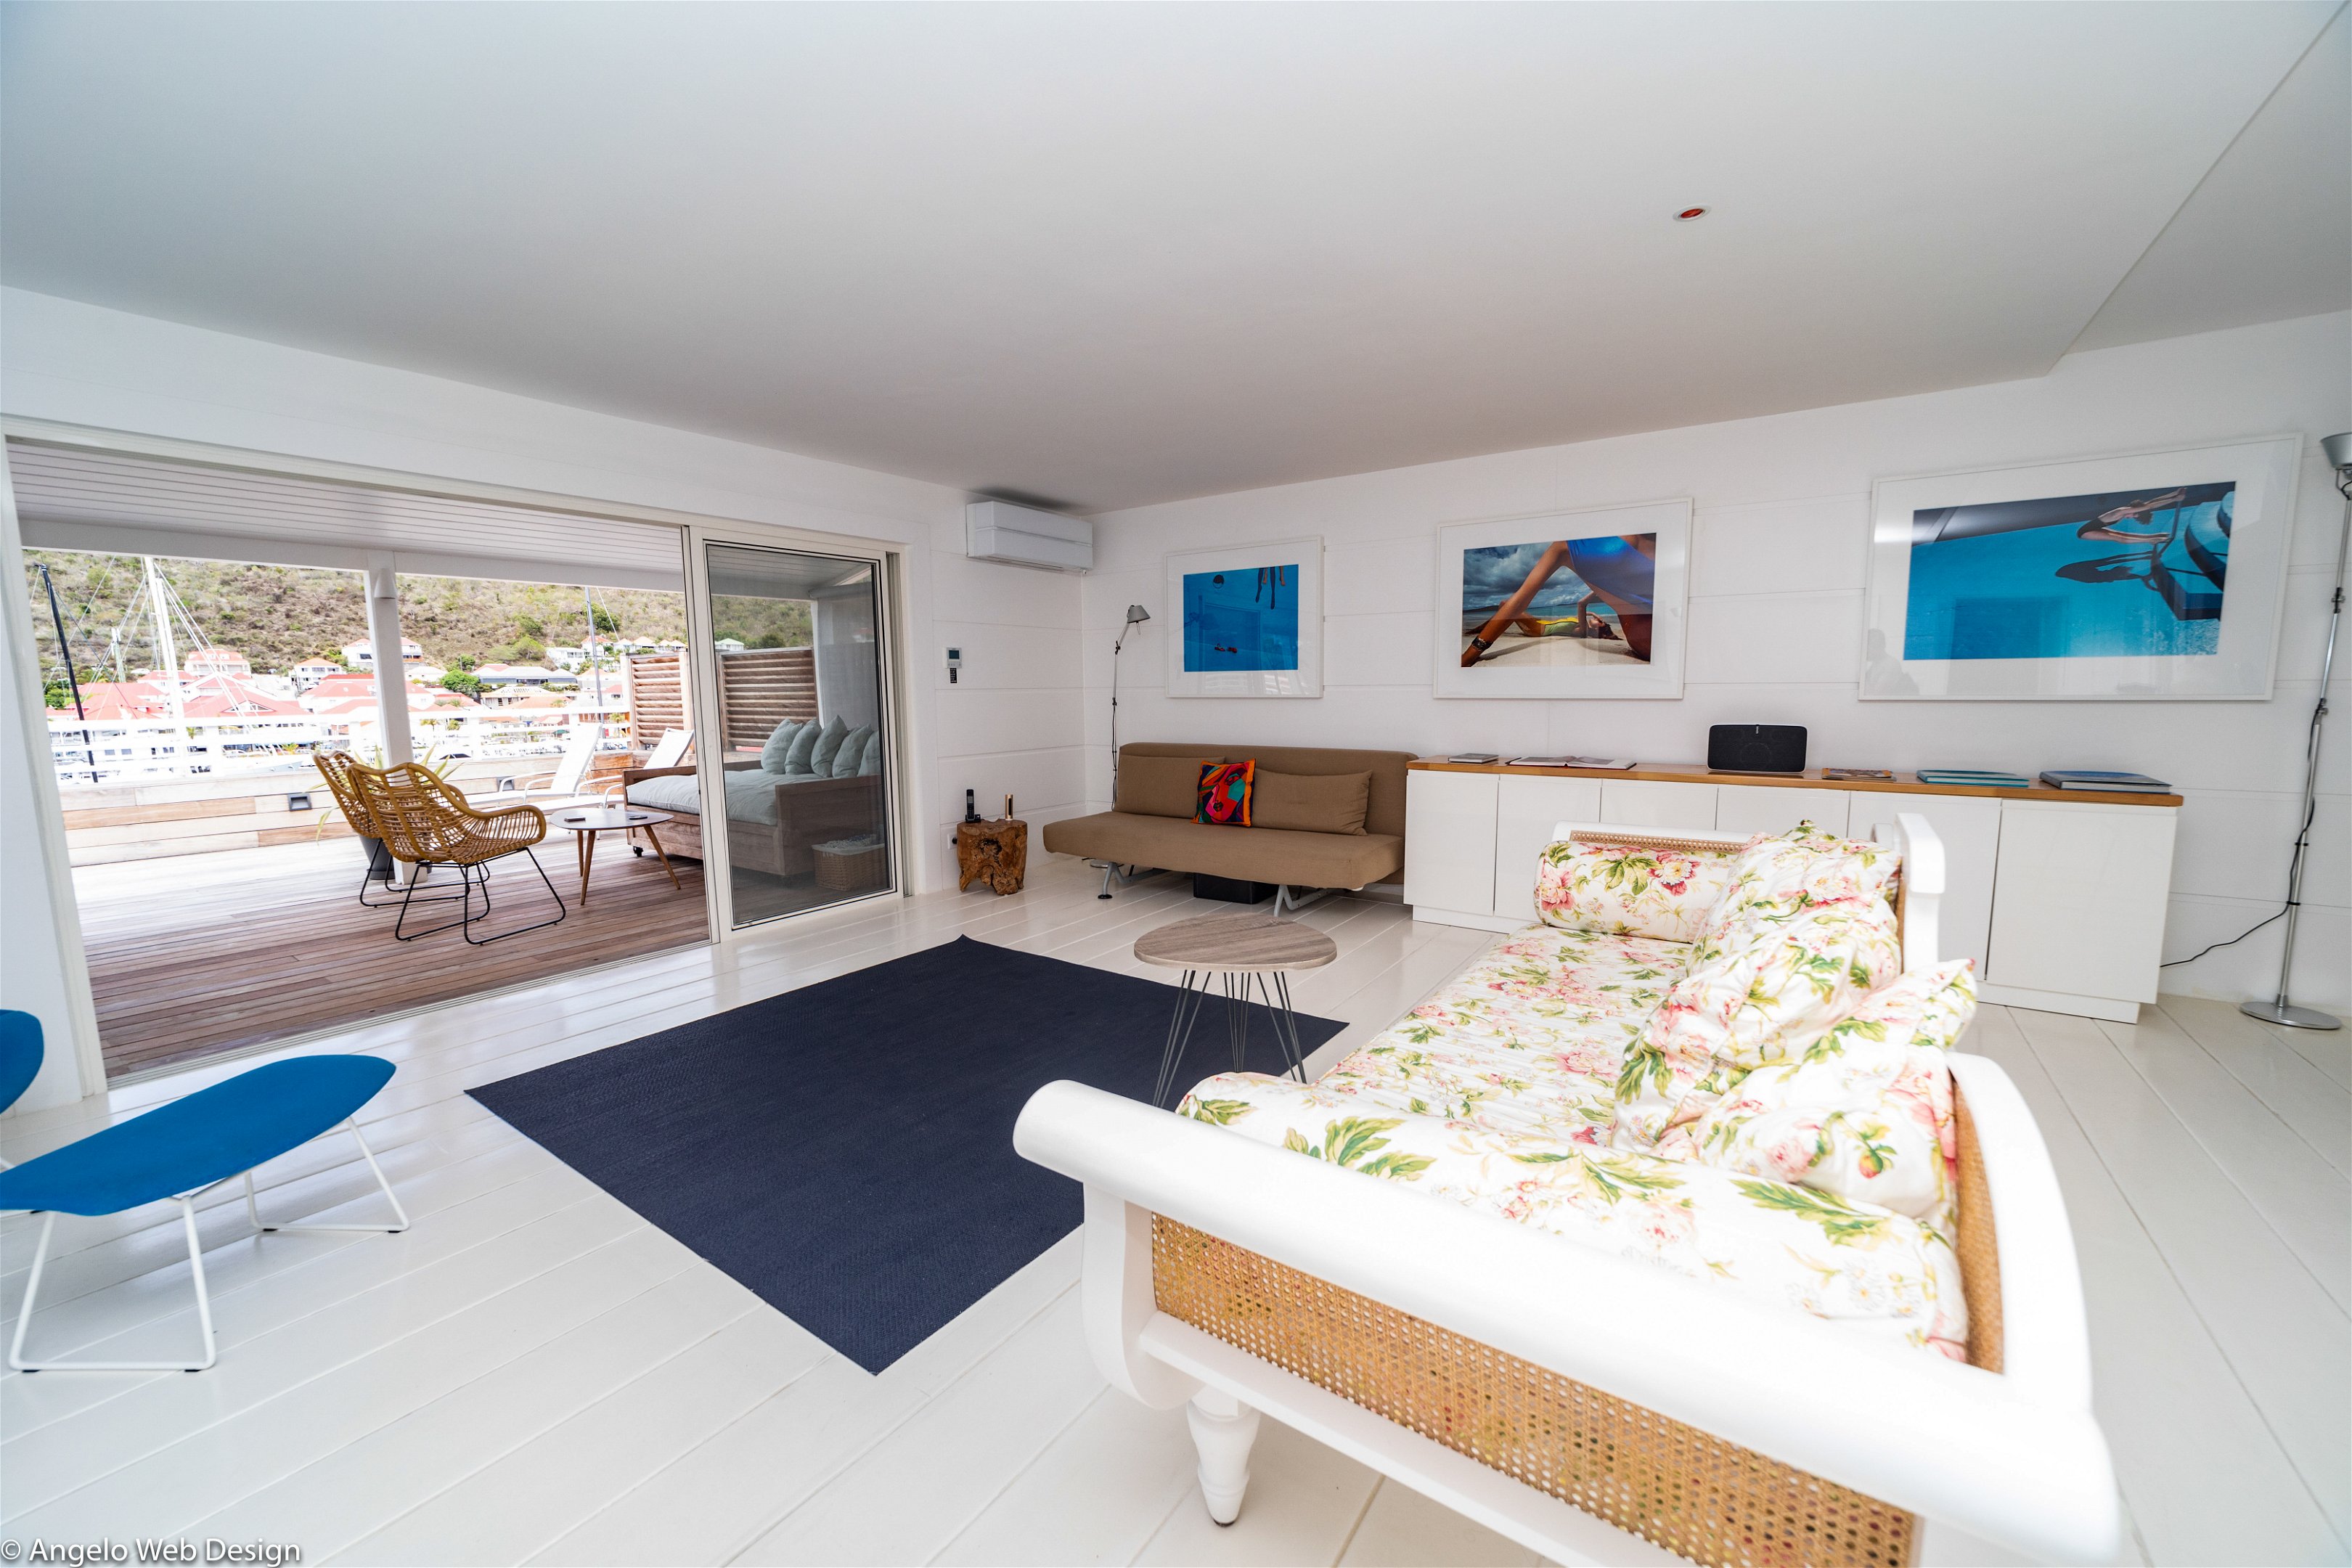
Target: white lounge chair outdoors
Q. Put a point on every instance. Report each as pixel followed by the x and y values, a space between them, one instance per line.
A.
pixel 567 783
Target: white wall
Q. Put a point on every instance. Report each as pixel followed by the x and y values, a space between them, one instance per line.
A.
pixel 1011 724
pixel 1778 565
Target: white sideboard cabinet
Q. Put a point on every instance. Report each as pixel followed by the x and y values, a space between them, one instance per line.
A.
pixel 2059 900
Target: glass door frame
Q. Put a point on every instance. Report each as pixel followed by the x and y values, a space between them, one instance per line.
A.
pixel 710 748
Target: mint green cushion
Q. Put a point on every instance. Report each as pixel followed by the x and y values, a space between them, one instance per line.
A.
pixel 796 757
pixel 873 761
pixel 852 752
pixel 779 746
pixel 828 743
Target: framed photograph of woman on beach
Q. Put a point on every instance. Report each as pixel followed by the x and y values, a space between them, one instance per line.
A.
pixel 1580 604
pixel 2150 577
pixel 1249 620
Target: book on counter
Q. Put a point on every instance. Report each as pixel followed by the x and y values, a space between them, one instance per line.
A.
pixel 1475 757
pixel 2114 784
pixel 1886 774
pixel 1973 778
pixel 1605 764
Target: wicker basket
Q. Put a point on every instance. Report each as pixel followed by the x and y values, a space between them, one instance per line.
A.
pixel 846 871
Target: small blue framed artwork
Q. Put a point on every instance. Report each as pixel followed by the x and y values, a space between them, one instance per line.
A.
pixel 1242 620
pixel 2150 576
pixel 1251 621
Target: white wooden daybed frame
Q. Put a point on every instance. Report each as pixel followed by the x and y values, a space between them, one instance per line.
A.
pixel 2011 1458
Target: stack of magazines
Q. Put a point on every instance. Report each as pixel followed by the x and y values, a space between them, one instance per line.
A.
pixel 2114 784
pixel 1973 778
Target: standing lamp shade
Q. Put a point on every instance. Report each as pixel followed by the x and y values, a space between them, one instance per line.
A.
pixel 1135 616
pixel 2279 1009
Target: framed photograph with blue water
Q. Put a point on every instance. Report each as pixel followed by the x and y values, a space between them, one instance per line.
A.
pixel 1580 604
pixel 1250 620
pixel 2152 577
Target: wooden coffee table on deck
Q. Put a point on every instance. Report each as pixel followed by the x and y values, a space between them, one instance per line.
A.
pixel 585 822
pixel 1235 947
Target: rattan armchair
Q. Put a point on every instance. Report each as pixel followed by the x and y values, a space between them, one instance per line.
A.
pixel 337 768
pixel 425 821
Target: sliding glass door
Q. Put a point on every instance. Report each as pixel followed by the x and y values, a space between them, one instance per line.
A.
pixel 797 647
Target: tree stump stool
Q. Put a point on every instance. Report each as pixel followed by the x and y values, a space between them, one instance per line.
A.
pixel 996 853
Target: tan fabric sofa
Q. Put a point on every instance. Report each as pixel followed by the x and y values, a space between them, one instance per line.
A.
pixel 1287 857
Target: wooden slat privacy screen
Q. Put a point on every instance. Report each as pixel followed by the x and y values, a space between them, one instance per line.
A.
pixel 760 688
pixel 656 697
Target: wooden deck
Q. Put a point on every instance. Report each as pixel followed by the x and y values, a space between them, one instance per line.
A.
pixel 211 952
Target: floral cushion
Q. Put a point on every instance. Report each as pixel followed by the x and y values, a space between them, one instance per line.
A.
pixel 1632 891
pixel 1781 878
pixel 1528 1040
pixel 1776 1243
pixel 1865 1112
pixel 1733 1012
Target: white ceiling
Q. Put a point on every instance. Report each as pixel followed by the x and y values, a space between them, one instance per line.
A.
pixel 1116 254
pixel 2268 236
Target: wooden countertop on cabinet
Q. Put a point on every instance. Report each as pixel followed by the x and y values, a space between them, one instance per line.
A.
pixel 1697 773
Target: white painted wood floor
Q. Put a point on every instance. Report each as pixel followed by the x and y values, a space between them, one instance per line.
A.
pixel 533 1374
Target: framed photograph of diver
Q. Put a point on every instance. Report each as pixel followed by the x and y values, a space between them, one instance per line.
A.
pixel 2152 577
pixel 1250 620
pixel 1580 604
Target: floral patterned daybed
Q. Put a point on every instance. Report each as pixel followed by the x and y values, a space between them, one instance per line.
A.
pixel 1671 1218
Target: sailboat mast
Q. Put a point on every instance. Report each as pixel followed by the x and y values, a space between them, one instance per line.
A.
pixel 167 658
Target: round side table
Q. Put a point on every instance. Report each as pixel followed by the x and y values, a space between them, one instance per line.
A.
pixel 585 821
pixel 1237 949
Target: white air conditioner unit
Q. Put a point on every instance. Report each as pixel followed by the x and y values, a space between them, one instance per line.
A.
pixel 1023 536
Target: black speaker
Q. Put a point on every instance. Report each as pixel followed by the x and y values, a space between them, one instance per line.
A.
pixel 1756 748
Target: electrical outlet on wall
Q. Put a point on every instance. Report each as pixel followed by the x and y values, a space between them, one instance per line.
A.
pixel 955 664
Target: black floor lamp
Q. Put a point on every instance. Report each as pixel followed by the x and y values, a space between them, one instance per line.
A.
pixel 1135 616
pixel 2279 1010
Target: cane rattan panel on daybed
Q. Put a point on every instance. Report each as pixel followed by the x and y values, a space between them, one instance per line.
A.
pixel 1679 1488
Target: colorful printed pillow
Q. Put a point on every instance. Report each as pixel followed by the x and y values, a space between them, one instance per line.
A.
pixel 1223 797
pixel 1779 879
pixel 1623 890
pixel 1731 1013
pixel 1864 1114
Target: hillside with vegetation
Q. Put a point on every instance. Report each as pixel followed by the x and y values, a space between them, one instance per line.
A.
pixel 279 615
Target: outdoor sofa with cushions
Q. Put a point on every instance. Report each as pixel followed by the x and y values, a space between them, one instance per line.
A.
pixel 1676 1216
pixel 1323 817
pixel 811 782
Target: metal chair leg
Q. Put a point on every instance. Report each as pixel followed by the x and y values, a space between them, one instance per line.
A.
pixel 254 1213
pixel 464 896
pixel 484 942
pixel 417 875
pixel 33 1291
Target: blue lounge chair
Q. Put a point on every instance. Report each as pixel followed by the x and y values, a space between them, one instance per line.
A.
pixel 182 1151
pixel 20 1057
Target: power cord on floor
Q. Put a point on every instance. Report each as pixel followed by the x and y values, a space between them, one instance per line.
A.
pixel 2302 847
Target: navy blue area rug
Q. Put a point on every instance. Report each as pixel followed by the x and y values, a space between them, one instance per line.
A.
pixel 845 1151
